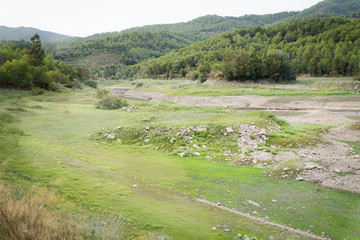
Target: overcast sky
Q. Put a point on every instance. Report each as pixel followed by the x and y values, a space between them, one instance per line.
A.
pixel 86 17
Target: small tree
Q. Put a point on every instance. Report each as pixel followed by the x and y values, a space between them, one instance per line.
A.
pixel 36 53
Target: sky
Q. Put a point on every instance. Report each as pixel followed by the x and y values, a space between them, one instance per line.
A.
pixel 86 17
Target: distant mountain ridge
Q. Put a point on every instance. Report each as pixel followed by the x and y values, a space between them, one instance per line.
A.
pixel 210 25
pixel 25 33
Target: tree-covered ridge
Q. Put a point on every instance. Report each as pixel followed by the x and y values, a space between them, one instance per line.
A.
pixel 329 46
pixel 210 25
pixel 330 8
pixel 130 48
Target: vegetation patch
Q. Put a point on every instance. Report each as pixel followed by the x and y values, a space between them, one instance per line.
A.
pixel 110 102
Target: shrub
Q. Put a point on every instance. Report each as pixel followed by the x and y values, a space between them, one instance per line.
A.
pixel 202 78
pixel 68 85
pixel 91 83
pixel 77 84
pixel 111 102
pixel 102 93
pixel 139 85
pixel 37 91
pixel 15 131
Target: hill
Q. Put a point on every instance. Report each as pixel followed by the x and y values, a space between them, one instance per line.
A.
pixel 328 46
pixel 25 33
pixel 105 52
pixel 210 25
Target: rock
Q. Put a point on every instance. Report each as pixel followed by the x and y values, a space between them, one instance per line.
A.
pixel 146 140
pixel 218 204
pixel 254 238
pixel 196 146
pixel 239 235
pixel 182 154
pixel 214 228
pixel 147 128
pixel 310 165
pixel 203 146
pixel 135 186
pixel 299 179
pixel 274 201
pixel 197 154
pixel 253 203
pixel 229 130
pixel 337 170
pixel 271 238
pixel 254 212
pixel 227 230
pixel 172 140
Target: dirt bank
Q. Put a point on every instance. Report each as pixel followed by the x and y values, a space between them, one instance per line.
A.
pixel 348 103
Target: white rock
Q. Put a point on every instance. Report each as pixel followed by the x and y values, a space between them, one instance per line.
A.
pixel 135 186
pixel 197 154
pixel 274 201
pixel 146 140
pixel 229 130
pixel 196 146
pixel 182 154
pixel 227 230
pixel 253 203
pixel 239 235
pixel 203 146
pixel 214 228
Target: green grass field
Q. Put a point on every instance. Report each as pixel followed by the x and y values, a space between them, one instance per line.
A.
pixel 152 190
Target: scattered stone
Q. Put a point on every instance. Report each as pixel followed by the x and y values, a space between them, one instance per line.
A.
pixel 229 130
pixel 146 140
pixel 203 146
pixel 253 203
pixel 271 238
pixel 239 235
pixel 310 166
pixel 299 179
pixel 227 230
pixel 337 170
pixel 196 146
pixel 274 201
pixel 197 154
pixel 182 154
pixel 218 204
pixel 135 186
pixel 214 228
pixel 254 212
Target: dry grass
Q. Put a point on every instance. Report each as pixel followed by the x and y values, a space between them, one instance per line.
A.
pixel 24 216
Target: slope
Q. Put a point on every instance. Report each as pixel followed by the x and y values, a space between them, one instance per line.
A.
pixel 25 33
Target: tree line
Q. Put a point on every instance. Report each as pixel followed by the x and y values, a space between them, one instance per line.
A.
pixel 328 46
pixel 25 65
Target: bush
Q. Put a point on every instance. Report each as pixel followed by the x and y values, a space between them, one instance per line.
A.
pixel 111 102
pixel 202 78
pixel 37 91
pixel 102 93
pixel 139 85
pixel 68 85
pixel 77 84
pixel 91 83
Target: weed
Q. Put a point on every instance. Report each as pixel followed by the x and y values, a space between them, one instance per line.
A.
pixel 100 93
pixel 6 117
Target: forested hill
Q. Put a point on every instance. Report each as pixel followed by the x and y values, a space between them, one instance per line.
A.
pixel 211 25
pixel 328 46
pixel 25 33
pixel 118 48
pixel 207 26
pixel 330 8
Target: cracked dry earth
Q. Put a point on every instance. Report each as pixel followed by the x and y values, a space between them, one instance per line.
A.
pixel 333 164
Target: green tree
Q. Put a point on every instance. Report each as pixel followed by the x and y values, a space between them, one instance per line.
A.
pixel 36 53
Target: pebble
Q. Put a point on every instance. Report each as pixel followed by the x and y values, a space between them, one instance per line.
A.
pixel 274 201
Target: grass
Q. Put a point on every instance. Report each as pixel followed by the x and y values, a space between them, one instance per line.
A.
pixel 355 145
pixel 150 188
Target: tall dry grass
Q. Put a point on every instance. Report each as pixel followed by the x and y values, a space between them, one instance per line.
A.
pixel 23 216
